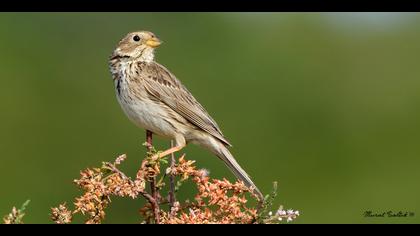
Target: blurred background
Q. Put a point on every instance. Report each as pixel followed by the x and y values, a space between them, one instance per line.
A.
pixel 327 104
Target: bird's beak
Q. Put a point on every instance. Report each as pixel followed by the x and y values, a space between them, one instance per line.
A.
pixel 153 42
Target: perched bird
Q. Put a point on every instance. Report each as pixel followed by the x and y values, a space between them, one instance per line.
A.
pixel 155 100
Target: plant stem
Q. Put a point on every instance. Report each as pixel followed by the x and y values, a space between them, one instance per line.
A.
pixel 172 179
pixel 154 202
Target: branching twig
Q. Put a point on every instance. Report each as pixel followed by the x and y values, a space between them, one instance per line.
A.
pixel 150 198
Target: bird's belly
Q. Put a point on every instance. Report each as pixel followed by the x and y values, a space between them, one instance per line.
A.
pixel 148 115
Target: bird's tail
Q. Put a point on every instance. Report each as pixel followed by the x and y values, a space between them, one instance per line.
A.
pixel 224 154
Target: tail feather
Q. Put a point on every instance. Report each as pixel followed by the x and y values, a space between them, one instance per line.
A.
pixel 237 170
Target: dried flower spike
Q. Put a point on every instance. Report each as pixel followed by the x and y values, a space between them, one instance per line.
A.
pixel 16 216
pixel 215 202
pixel 61 215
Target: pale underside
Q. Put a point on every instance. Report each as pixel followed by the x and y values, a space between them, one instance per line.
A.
pixel 155 100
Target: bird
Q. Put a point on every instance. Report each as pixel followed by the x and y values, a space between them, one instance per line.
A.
pixel 155 100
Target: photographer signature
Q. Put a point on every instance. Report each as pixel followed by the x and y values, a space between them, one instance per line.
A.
pixel 389 214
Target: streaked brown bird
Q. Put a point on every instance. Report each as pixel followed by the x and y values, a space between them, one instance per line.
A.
pixel 155 100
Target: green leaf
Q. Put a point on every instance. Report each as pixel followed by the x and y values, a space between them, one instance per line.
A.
pixel 24 205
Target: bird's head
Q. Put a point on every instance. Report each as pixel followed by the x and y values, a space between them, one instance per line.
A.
pixel 137 46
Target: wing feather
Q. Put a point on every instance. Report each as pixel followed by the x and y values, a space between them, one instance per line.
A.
pixel 164 86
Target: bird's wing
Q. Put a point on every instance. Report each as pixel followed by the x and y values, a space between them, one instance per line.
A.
pixel 164 86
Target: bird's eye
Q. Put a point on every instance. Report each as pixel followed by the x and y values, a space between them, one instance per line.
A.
pixel 136 38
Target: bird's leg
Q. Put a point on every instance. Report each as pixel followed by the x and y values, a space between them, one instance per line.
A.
pixel 167 152
pixel 172 198
pixel 153 190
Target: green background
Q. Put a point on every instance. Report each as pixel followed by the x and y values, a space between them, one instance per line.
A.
pixel 327 104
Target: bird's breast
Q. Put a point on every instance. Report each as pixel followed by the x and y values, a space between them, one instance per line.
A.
pixel 137 105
